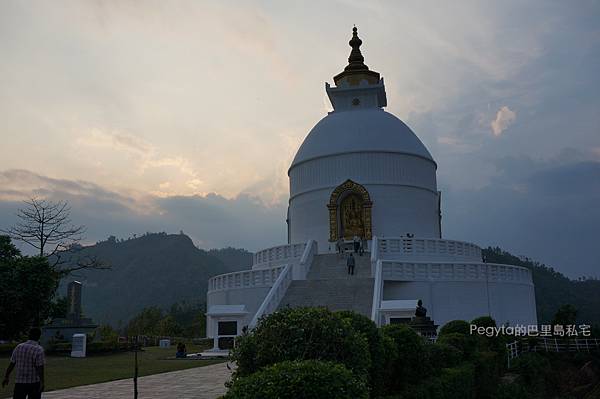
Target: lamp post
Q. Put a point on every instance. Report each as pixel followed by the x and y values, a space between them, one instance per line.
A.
pixel 135 371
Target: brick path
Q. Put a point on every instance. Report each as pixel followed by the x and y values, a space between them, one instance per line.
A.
pixel 198 383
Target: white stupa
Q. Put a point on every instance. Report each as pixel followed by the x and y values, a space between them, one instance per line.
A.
pixel 362 175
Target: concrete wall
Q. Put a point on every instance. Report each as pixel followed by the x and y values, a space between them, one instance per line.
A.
pixel 251 297
pixel 465 300
pixel 402 188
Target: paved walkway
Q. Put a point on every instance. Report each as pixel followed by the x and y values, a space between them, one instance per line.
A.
pixel 198 383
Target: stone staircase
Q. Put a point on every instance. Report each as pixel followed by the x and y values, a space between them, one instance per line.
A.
pixel 328 284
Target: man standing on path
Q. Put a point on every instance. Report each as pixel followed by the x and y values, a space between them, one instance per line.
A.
pixel 350 262
pixel 28 359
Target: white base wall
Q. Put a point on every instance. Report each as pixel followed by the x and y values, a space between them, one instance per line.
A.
pixel 466 300
pixel 251 297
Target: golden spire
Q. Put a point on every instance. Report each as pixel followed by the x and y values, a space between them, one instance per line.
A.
pixel 356 69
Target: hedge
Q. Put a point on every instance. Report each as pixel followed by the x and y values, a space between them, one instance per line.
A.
pixel 308 379
pixel 301 334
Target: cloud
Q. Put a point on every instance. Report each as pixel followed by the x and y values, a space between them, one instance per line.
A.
pixel 504 118
pixel 545 209
pixel 211 220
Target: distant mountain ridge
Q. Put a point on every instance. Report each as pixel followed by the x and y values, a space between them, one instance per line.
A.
pixel 155 269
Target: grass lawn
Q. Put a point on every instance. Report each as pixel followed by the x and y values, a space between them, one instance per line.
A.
pixel 64 371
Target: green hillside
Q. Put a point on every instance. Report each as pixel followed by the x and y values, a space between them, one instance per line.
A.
pixel 154 269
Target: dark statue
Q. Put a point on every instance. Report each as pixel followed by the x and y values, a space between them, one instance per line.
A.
pixel 420 311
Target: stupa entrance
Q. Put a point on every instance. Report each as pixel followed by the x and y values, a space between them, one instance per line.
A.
pixel 349 212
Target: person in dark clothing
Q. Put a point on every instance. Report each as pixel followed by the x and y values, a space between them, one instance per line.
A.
pixel 28 359
pixel 350 262
pixel 355 244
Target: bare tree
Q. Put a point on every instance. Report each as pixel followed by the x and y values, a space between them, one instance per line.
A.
pixel 46 226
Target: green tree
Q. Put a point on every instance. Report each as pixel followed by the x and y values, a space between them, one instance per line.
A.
pixel 168 327
pixel 565 315
pixel 146 322
pixel 27 286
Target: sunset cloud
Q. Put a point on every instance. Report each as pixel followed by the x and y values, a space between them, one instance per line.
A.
pixel 504 118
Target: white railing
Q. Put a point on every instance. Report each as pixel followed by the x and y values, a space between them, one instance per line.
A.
pixel 449 271
pixel 306 261
pixel 550 344
pixel 277 256
pixel 426 249
pixel 377 292
pixel 374 254
pixel 245 279
pixel 275 295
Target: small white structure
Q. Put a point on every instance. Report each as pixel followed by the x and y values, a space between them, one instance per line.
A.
pixel 164 343
pixel 78 346
pixel 363 176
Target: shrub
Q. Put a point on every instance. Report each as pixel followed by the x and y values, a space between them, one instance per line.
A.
pixel 488 368
pixel 453 383
pixel 511 391
pixel 533 368
pixel 301 334
pixel 411 363
pixel 457 382
pixel 484 321
pixel 443 355
pixel 455 326
pixel 464 343
pixel 381 361
pixel 299 379
pixel 487 343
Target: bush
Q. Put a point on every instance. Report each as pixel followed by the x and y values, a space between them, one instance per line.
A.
pixel 443 355
pixel 455 326
pixel 511 391
pixel 453 383
pixel 488 368
pixel 457 382
pixel 299 379
pixel 59 347
pixel 533 369
pixel 411 363
pixel 381 360
pixel 301 334
pixel 484 321
pixel 464 343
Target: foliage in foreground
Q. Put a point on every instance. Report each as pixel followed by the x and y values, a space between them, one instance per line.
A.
pixel 27 287
pixel 302 334
pixel 300 379
pixel 283 356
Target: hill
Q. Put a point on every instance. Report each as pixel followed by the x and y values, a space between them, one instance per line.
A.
pixel 152 270
pixel 553 289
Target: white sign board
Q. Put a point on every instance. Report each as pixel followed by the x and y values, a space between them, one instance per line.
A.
pixel 164 343
pixel 78 345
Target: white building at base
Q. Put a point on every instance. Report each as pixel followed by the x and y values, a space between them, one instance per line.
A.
pixel 361 172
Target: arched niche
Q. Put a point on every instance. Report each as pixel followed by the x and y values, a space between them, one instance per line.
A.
pixel 350 212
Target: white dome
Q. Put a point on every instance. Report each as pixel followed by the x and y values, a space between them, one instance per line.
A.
pixel 366 130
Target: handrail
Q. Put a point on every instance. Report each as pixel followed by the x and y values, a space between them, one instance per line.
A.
pixel 277 256
pixel 454 271
pixel 274 296
pixel 377 293
pixel 374 254
pixel 244 279
pixel 426 248
pixel 310 250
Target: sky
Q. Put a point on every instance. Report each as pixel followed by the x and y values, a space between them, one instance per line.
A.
pixel 185 115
